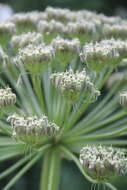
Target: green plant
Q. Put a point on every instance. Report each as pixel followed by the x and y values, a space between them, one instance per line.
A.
pixel 62 103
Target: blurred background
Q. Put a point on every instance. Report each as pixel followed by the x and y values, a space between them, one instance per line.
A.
pixel 71 179
pixel 109 7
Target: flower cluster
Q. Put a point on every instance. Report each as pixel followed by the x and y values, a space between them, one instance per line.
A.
pixel 65 45
pixel 36 54
pixel 115 30
pixel 78 27
pixel 67 15
pixel 103 51
pixel 7 97
pixel 32 129
pixel 57 13
pixel 102 163
pixel 21 18
pixel 7 28
pixel 71 85
pixel 81 27
pixel 52 26
pixel 19 41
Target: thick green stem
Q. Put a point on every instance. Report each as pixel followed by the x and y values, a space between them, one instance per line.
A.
pixel 50 171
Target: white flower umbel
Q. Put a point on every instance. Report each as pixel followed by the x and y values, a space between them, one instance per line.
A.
pixel 57 13
pixel 71 85
pixel 65 45
pixel 101 163
pixel 19 41
pixel 21 19
pixel 81 27
pixel 32 129
pixel 7 28
pixel 105 51
pixel 115 30
pixel 36 54
pixel 98 52
pixel 50 27
pixel 7 97
pixel 36 16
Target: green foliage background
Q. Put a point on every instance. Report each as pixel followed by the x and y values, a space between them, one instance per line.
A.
pixel 105 6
